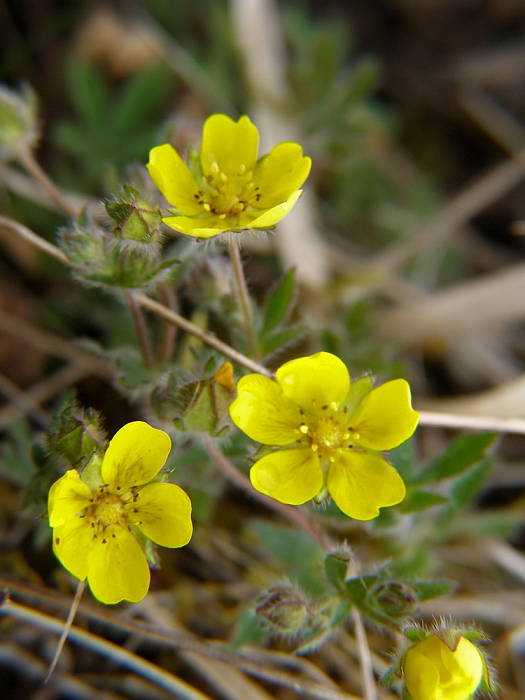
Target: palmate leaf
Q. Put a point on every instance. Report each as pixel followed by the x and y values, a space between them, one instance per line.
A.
pixel 462 453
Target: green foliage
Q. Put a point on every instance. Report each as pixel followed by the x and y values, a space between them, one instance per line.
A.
pixel 275 333
pixel 112 126
pixel 296 550
pixel 461 454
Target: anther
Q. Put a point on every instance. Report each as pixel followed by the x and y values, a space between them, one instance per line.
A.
pixel 214 167
pixel 206 206
pixel 242 169
pixel 223 177
pixel 104 541
pixel 324 407
pixel 314 447
pixel 333 406
pixel 57 540
pixel 304 428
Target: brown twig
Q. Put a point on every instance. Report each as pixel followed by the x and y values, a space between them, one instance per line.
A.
pixel 117 653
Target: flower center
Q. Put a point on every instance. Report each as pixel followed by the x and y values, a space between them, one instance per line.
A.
pixel 107 510
pixel 227 195
pixel 328 433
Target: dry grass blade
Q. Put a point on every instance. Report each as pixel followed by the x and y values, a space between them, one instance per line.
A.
pixel 178 687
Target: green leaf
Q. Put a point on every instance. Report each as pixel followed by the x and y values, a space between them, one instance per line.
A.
pixel 464 451
pixel 336 567
pixel 466 488
pixel 432 589
pixel 421 500
pixel 140 98
pixel 89 92
pixel 300 556
pixel 248 630
pixel 279 303
pixel 281 338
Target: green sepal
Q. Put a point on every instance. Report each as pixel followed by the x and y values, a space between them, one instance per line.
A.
pixel 336 569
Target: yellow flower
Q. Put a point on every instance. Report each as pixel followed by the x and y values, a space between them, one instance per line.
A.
pixel 94 526
pixel 332 431
pixel 433 671
pixel 227 188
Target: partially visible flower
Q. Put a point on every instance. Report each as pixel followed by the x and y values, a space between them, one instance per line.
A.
pixel 226 188
pixel 97 528
pixel 434 671
pixel 331 432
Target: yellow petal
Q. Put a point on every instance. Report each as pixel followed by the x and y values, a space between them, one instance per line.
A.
pixel 135 455
pixel 289 476
pixel 72 541
pixel 117 567
pixel 465 665
pixel 197 226
pixel 269 217
pixel 281 173
pixel 385 417
pixel 421 675
pixel 263 413
pixel 173 178
pixel 314 381
pixel 68 496
pixel 232 146
pixel 360 484
pixel 432 671
pixel 163 513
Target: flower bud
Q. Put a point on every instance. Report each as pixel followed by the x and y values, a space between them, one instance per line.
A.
pixel 393 598
pixel 283 608
pixel 18 126
pixel 134 218
pixel 434 670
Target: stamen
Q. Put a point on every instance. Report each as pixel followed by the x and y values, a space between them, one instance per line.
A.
pixel 304 428
pixel 214 167
pixel 315 447
pixel 206 206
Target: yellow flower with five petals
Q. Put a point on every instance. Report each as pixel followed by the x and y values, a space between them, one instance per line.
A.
pixel 97 528
pixel 434 671
pixel 227 188
pixel 331 432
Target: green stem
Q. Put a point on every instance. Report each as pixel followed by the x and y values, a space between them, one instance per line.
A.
pixel 243 295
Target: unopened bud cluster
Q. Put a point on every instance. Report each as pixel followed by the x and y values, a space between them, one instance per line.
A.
pixel 128 255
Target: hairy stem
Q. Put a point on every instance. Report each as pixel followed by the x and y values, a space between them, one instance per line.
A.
pixel 33 167
pixel 141 329
pixel 243 295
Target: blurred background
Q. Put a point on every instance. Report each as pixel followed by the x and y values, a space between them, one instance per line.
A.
pixel 407 243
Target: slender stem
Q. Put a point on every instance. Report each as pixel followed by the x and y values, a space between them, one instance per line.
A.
pixel 202 335
pixel 31 164
pixel 365 658
pixel 430 418
pixel 67 627
pixel 167 296
pixel 236 477
pixel 117 653
pixel 243 294
pixel 141 329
